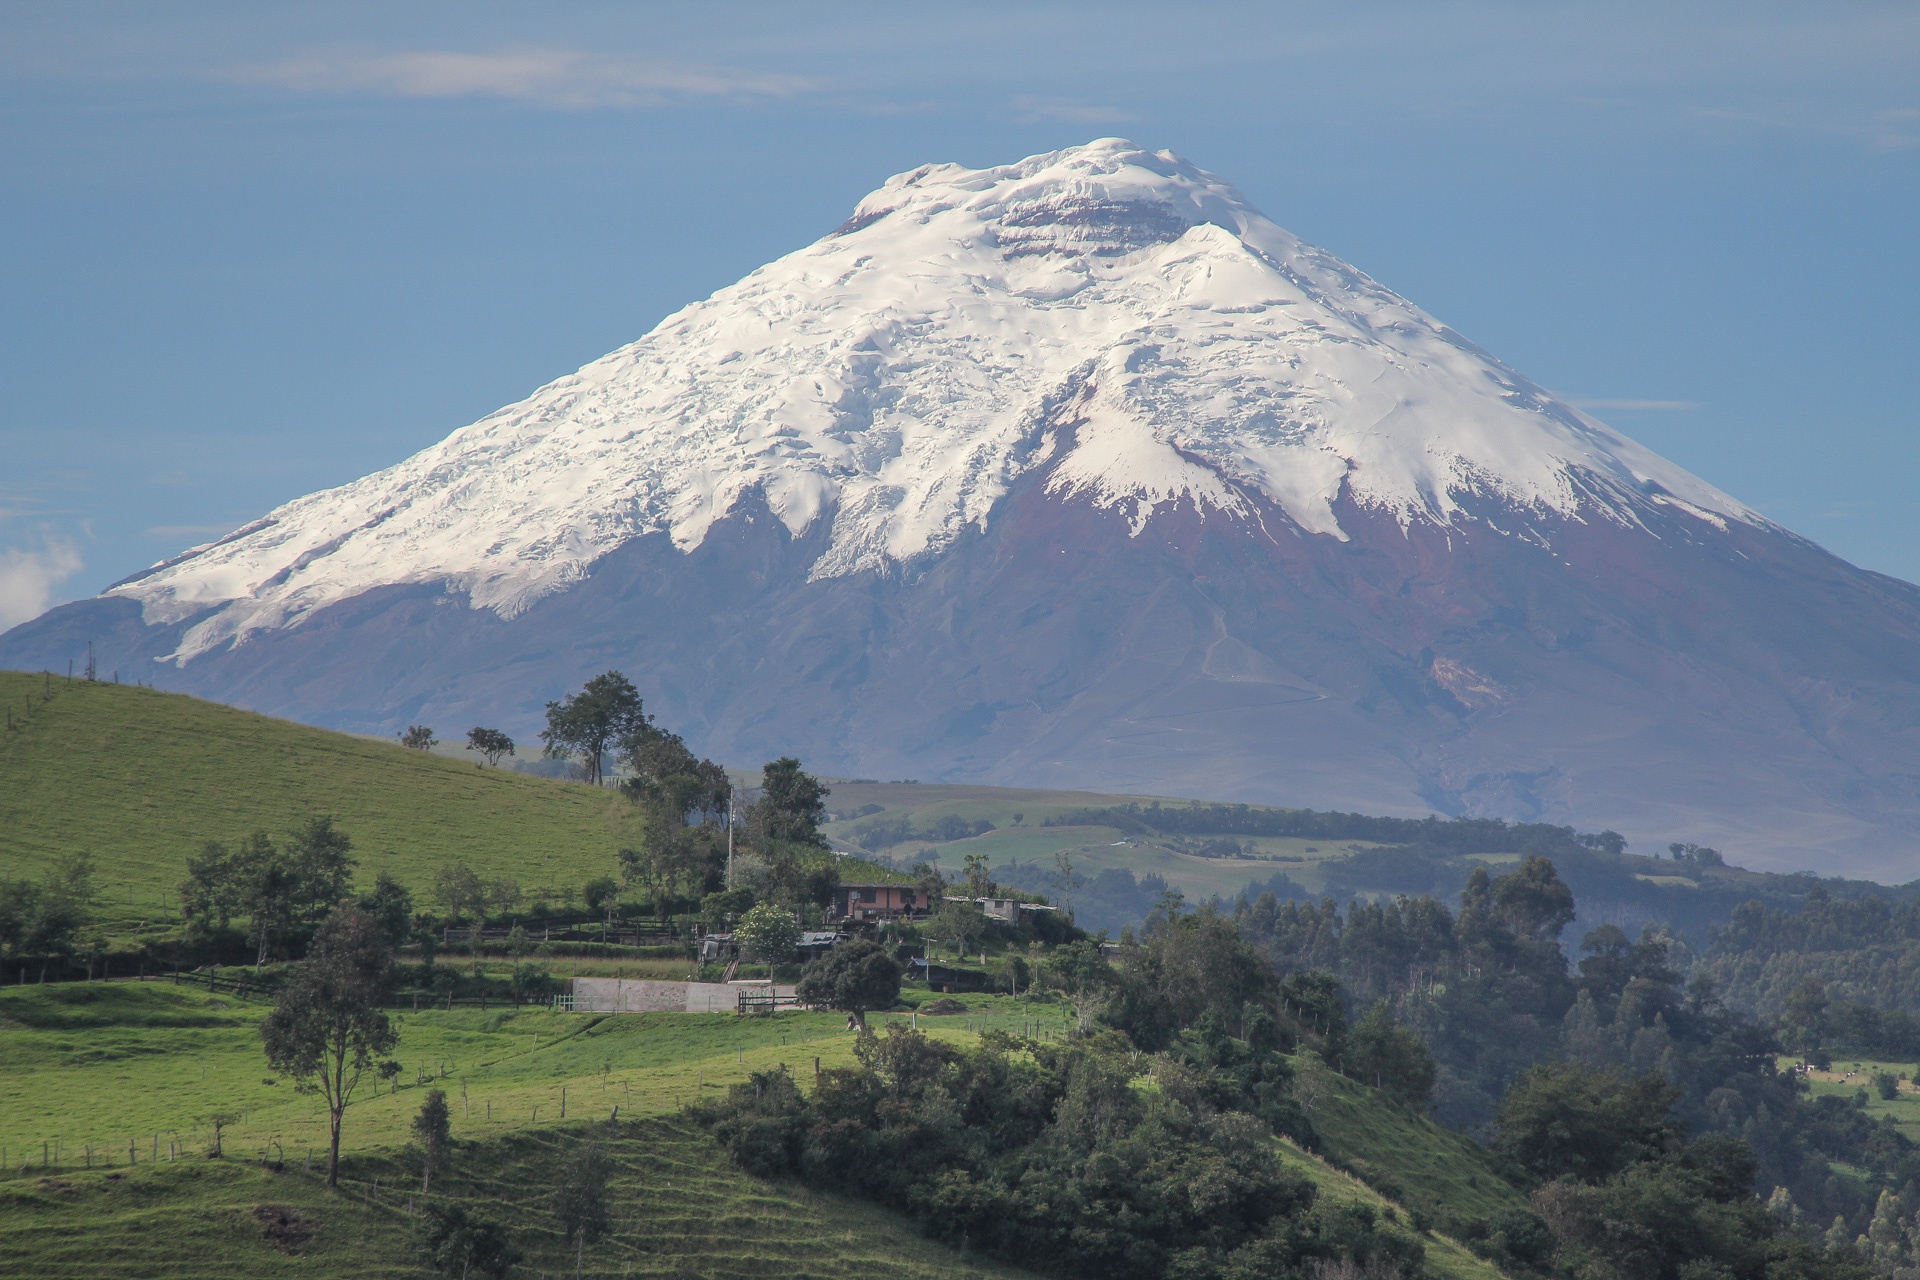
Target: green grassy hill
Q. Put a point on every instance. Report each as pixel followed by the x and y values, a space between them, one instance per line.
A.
pixel 141 779
pixel 89 1069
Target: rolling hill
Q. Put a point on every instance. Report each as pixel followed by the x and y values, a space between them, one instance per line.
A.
pixel 140 779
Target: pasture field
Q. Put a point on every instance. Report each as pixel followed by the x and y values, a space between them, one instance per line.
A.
pixel 140 780
pixel 101 1065
pixel 1852 1076
pixel 98 1067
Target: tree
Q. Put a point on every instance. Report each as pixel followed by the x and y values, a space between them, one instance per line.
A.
pixel 490 743
pixel 459 891
pixel 791 807
pixel 327 1027
pixel 455 1243
pixel 417 737
pixel 853 978
pixel 770 933
pixel 1570 1120
pixel 592 722
pixel 391 906
pixel 979 880
pixel 957 925
pixel 1080 970
pixel 433 1132
pixel 1390 1057
pixel 580 1200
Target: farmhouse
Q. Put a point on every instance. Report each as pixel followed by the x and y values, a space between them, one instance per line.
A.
pixel 873 901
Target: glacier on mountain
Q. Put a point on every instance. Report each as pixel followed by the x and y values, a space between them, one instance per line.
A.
pixel 1118 316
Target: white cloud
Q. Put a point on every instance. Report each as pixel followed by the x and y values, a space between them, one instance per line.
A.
pixel 1637 404
pixel 563 78
pixel 27 579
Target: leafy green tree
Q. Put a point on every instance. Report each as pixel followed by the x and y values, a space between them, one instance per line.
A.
pixel 1806 1016
pixel 327 1028
pixel 530 981
pixel 1887 1085
pixel 417 737
pixel 391 906
pixel 1569 1120
pixel 580 1200
pixel 1390 1057
pixel 1186 967
pixel 852 978
pixel 456 1243
pixel 1081 971
pixel 592 722
pixel 490 743
pixel 956 925
pixel 459 891
pixel 792 804
pixel 433 1134
pixel 979 879
pixel 770 933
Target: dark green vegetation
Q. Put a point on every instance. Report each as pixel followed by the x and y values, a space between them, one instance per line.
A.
pixel 1189 1105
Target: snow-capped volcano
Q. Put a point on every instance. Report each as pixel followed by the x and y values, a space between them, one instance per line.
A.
pixel 1081 473
pixel 1115 315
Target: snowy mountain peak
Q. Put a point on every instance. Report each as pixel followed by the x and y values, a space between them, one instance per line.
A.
pixel 1112 319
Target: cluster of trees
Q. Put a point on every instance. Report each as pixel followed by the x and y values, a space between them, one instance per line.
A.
pixel 46 923
pixel 1053 1156
pixel 1491 993
pixel 1624 1195
pixel 1458 835
pixel 1861 951
pixel 279 894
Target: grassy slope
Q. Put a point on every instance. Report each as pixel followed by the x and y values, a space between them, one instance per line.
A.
pixel 1396 1147
pixel 141 779
pixel 680 1208
pixel 101 1064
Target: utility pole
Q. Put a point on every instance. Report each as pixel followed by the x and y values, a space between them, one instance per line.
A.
pixel 729 838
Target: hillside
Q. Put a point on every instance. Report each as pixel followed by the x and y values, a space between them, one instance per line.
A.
pixel 141 779
pixel 168 1057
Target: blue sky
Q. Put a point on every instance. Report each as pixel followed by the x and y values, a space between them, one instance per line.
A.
pixel 252 250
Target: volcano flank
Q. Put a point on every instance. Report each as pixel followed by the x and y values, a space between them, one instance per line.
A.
pixel 1079 472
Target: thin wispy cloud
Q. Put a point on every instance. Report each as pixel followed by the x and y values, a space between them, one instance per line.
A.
pixel 1652 405
pixel 28 577
pixel 566 79
pixel 1031 110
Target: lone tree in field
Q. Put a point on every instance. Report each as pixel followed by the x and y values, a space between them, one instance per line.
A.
pixel 490 743
pixel 852 978
pixel 433 1131
pixel 418 738
pixel 580 1201
pixel 327 1028
pixel 593 721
